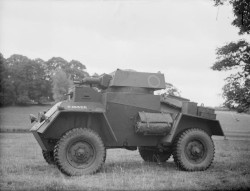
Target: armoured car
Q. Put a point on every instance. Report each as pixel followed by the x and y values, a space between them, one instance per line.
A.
pixel 120 110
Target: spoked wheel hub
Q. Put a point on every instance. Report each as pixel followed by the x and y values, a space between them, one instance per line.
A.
pixel 195 151
pixel 80 154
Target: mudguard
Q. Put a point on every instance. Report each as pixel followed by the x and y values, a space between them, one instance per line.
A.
pixel 185 121
pixel 88 107
pixel 39 128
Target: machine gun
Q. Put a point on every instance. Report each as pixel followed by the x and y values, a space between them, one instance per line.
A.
pixel 101 82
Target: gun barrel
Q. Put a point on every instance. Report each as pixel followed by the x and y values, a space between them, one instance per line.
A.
pixel 91 80
pixel 88 80
pixel 102 81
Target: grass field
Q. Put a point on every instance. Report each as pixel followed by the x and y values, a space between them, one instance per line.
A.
pixel 17 118
pixel 23 168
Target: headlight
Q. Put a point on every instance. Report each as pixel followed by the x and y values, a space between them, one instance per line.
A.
pixel 33 118
pixel 41 117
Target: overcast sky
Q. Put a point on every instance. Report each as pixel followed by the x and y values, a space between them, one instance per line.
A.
pixel 176 37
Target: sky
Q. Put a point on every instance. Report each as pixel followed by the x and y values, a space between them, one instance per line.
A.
pixel 177 38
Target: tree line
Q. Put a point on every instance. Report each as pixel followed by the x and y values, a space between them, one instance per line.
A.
pixel 27 81
pixel 24 81
pixel 235 56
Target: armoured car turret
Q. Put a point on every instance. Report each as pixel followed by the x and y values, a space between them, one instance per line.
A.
pixel 120 110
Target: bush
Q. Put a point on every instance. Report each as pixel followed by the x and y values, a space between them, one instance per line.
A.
pixel 44 100
pixel 23 100
pixel 5 99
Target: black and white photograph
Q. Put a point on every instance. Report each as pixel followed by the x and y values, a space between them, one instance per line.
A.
pixel 124 95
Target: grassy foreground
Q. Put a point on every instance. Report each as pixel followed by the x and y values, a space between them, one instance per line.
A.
pixel 23 168
pixel 16 119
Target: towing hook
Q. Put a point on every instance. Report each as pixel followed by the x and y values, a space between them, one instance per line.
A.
pixel 33 118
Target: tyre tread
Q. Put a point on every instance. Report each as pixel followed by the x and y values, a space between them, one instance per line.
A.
pixel 62 141
pixel 48 156
pixel 177 152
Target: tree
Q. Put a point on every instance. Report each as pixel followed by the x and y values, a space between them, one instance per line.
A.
pixel 241 10
pixel 40 87
pixel 19 73
pixel 53 64
pixel 6 86
pixel 169 90
pixel 27 80
pixel 24 80
pixel 74 69
pixel 59 69
pixel 235 56
pixel 61 85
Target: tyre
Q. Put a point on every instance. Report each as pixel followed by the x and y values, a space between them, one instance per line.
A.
pixel 193 150
pixel 49 157
pixel 152 154
pixel 80 151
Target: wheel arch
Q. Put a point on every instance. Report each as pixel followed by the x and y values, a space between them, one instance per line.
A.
pixel 68 120
pixel 184 122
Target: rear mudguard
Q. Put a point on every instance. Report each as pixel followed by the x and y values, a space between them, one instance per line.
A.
pixel 184 121
pixel 64 116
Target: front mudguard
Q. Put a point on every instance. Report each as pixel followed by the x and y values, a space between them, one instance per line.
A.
pixel 40 126
pixel 69 115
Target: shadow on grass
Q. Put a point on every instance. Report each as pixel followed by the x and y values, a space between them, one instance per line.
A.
pixel 136 166
pixel 40 168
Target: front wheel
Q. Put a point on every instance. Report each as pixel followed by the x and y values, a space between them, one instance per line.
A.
pixel 49 157
pixel 193 150
pixel 80 151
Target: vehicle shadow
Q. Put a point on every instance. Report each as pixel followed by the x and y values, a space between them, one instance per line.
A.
pixel 137 166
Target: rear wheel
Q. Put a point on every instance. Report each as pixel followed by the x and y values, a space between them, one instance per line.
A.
pixel 80 151
pixel 193 150
pixel 153 154
pixel 49 157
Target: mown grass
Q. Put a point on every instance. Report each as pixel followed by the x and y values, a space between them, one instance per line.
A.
pixel 22 167
pixel 232 121
pixel 17 118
